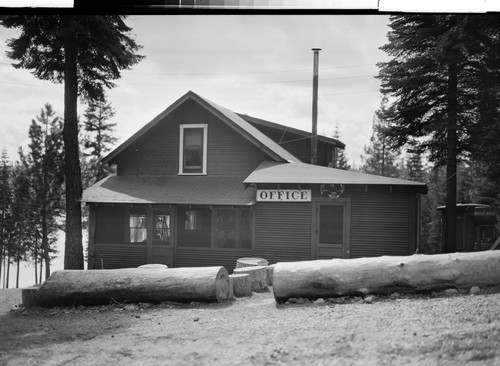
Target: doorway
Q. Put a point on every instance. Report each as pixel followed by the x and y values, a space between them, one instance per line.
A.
pixel 160 246
pixel 332 229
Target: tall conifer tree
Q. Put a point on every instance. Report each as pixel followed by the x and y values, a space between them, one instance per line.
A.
pixel 85 52
pixel 432 79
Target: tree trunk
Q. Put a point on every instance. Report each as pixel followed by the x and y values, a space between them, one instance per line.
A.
pixel 36 262
pixel 45 241
pixel 18 262
pixel 73 253
pixel 41 271
pixel 8 271
pixel 99 287
pixel 257 277
pixel 451 160
pixel 384 275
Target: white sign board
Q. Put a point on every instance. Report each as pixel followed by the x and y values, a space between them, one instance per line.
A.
pixel 283 195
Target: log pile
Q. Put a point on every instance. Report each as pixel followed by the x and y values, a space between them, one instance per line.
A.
pixel 96 287
pixel 384 275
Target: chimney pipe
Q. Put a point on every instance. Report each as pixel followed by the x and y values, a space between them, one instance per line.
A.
pixel 314 133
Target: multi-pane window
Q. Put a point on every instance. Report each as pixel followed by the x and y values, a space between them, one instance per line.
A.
pixel 138 228
pixel 161 228
pixel 194 227
pixel 225 230
pixel 193 149
pixel 233 228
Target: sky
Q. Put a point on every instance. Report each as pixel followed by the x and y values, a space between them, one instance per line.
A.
pixel 261 65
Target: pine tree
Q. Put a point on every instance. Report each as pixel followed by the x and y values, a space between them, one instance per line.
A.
pixel 434 78
pixel 98 139
pixel 5 198
pixel 21 214
pixel 379 157
pixel 86 52
pixel 44 162
pixel 414 168
pixel 342 162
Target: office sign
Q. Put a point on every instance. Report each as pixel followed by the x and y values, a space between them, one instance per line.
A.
pixel 283 195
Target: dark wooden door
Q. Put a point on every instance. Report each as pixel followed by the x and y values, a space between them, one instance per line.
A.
pixel 161 244
pixel 332 230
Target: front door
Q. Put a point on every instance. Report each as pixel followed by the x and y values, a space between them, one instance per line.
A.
pixel 161 246
pixel 332 229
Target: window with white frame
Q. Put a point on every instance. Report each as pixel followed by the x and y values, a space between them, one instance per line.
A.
pixel 193 149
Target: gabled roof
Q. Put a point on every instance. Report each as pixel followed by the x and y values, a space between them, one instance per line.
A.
pixel 302 173
pixel 193 190
pixel 291 130
pixel 233 120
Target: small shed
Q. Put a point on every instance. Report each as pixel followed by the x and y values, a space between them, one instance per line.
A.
pixel 475 226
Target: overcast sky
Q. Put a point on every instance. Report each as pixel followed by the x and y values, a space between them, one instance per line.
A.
pixel 260 65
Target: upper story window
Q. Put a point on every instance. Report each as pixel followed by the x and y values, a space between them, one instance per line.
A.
pixel 193 149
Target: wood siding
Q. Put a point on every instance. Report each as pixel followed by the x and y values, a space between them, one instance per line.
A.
pixel 198 257
pixel 283 231
pixel 119 255
pixel 157 152
pixel 383 223
pixel 298 145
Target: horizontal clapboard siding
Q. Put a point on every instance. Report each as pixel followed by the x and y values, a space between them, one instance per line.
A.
pixel 283 231
pixel 198 257
pixel 157 152
pixel 119 255
pixel 380 225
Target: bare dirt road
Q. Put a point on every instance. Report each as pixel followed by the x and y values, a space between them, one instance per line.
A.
pixel 435 329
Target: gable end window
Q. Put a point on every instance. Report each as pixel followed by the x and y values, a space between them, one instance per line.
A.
pixel 193 149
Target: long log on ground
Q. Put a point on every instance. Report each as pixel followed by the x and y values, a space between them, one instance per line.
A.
pixel 96 287
pixel 241 284
pixel 384 275
pixel 251 261
pixel 257 277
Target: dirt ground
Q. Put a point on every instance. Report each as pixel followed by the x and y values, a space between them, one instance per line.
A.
pixel 434 329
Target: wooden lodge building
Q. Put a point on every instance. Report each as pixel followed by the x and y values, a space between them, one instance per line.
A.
pixel 201 185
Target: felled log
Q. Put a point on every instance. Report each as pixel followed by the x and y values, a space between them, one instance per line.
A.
pixel 241 284
pixel 257 277
pixel 96 287
pixel 250 262
pixel 384 275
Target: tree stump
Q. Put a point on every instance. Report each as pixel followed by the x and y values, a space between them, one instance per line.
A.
pixel 99 287
pixel 385 275
pixel 257 277
pixel 241 284
pixel 250 262
pixel 270 274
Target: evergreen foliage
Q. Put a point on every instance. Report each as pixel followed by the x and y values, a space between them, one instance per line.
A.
pixel 44 166
pixel 342 162
pixel 98 140
pixel 379 157
pixel 86 52
pixel 443 83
